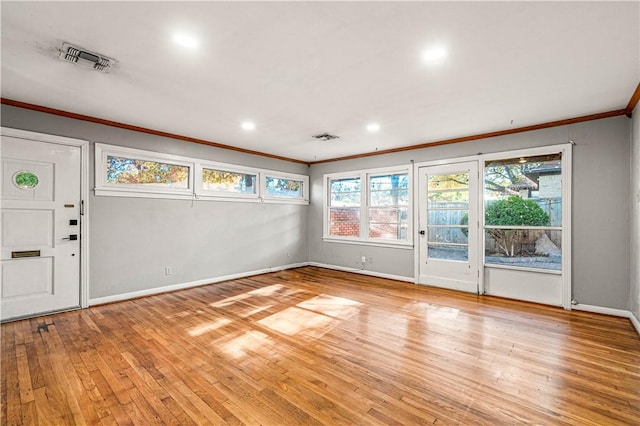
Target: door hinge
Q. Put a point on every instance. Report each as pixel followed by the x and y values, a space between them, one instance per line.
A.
pixel 81 207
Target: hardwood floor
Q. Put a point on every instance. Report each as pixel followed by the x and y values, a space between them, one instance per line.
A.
pixel 313 346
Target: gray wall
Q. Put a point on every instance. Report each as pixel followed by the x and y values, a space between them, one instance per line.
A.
pixel 133 239
pixel 600 206
pixel 634 295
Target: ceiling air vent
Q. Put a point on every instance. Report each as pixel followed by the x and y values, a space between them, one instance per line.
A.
pixel 85 58
pixel 326 137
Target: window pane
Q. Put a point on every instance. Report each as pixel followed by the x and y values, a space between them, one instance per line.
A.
pixel 448 196
pixel 390 197
pixel 344 222
pixel 448 217
pixel 389 223
pixel 450 182
pixel 387 182
pixel 448 235
pixel 129 171
pixel 220 180
pixel 530 248
pixel 281 187
pixel 448 252
pixel 345 192
pixel 524 191
pixel 389 190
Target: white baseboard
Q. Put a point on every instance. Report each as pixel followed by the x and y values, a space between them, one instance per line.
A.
pixel 363 272
pixel 601 310
pixel 609 311
pixel 182 286
pixel 635 322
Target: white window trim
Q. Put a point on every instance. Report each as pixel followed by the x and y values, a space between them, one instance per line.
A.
pixel 195 190
pixel 104 188
pixel 279 199
pixel 566 150
pixel 566 162
pixel 206 193
pixel 364 176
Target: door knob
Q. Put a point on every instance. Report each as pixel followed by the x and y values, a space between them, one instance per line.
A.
pixel 422 232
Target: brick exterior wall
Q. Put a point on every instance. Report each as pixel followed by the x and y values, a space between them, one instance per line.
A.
pixel 346 223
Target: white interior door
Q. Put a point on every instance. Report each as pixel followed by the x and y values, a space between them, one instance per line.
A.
pixel 448 240
pixel 40 264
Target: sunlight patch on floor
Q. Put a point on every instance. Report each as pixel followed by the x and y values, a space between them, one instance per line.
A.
pixel 251 341
pixel 337 307
pixel 229 300
pixel 293 321
pixel 205 328
pixel 432 311
pixel 313 317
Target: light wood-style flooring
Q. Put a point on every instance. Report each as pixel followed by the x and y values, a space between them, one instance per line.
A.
pixel 312 346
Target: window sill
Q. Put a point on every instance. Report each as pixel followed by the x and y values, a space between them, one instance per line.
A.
pixel 193 197
pixel 394 245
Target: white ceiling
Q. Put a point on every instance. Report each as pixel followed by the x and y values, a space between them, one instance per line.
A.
pixel 301 68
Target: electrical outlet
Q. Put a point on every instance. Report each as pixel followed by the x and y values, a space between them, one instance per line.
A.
pixel 168 270
pixel 363 259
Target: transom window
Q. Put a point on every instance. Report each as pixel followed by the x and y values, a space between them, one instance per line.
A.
pixel 129 172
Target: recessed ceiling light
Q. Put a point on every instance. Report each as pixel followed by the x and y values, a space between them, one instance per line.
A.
pixel 434 55
pixel 185 40
pixel 373 127
pixel 248 125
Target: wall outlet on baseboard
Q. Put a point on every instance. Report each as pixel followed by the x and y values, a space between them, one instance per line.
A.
pixel 364 259
pixel 168 270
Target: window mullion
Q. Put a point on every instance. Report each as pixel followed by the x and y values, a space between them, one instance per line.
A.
pixel 364 206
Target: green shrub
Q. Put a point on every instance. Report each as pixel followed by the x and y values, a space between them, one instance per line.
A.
pixel 515 211
pixel 511 211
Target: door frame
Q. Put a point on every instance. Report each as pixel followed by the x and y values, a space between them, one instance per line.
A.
pixel 84 196
pixel 416 213
pixel 455 280
pixel 565 149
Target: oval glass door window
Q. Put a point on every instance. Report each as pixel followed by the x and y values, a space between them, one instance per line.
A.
pixel 26 180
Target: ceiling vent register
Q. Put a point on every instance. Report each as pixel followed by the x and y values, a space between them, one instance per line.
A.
pixel 325 137
pixel 85 58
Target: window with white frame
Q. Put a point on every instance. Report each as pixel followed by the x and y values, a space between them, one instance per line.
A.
pixel 523 212
pixel 129 172
pixel 223 180
pixel 344 207
pixel 125 171
pixel 285 186
pixel 370 206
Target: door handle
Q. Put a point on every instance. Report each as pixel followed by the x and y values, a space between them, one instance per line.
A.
pixel 422 232
pixel 71 237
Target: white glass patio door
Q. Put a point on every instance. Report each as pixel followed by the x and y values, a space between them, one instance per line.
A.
pixel 448 226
